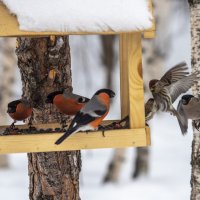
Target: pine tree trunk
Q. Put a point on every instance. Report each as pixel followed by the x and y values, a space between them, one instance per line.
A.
pixel 54 175
pixel 195 32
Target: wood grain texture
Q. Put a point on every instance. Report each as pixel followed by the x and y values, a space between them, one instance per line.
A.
pixel 124 91
pixel 92 140
pixel 9 27
pixel 136 88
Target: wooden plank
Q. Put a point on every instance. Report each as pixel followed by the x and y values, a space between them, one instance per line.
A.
pixel 93 140
pixel 151 32
pixel 136 88
pixel 46 126
pixel 124 92
pixel 9 27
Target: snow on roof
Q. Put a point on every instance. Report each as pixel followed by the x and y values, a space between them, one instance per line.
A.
pixel 81 15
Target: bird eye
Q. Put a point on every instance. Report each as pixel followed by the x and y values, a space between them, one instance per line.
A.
pixel 81 100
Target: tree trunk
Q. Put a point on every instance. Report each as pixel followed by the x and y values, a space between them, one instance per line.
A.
pixel 54 175
pixel 195 32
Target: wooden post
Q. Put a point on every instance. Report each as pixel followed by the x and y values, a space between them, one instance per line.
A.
pixel 132 89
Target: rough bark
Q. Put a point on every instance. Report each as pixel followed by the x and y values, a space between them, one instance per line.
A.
pixel 195 33
pixel 7 79
pixel 54 175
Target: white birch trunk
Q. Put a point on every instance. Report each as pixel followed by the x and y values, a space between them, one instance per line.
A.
pixel 195 33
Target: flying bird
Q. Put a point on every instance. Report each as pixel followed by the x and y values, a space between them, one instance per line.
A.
pixel 188 108
pixel 91 114
pixel 67 102
pixel 150 109
pixel 19 110
pixel 166 90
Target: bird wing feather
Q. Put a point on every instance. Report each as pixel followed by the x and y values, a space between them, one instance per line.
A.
pixel 182 120
pixel 175 73
pixel 181 86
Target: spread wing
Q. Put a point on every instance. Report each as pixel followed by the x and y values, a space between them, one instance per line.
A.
pixel 176 73
pixel 181 86
pixel 183 121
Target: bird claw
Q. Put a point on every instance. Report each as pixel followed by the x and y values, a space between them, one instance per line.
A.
pixel 103 133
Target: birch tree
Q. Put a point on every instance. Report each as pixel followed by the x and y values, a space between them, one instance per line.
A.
pixel 195 61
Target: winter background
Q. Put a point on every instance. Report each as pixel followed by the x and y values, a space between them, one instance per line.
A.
pixel 169 176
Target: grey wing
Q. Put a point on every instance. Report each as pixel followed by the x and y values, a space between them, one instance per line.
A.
pixel 183 121
pixel 181 86
pixel 78 98
pixel 175 73
pixel 94 107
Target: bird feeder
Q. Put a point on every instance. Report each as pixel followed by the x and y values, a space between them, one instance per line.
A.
pixel 131 88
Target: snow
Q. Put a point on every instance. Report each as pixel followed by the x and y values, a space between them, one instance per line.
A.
pixel 79 15
pixel 169 176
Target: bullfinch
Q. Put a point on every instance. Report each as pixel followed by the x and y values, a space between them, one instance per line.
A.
pixel 67 102
pixel 91 114
pixel 19 110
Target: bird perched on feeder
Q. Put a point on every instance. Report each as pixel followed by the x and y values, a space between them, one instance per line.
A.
pixel 19 110
pixel 166 90
pixel 91 114
pixel 188 108
pixel 150 109
pixel 67 102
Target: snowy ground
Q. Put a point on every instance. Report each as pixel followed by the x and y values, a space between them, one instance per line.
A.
pixel 169 177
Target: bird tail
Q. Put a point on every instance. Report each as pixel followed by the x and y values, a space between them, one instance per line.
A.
pixel 66 135
pixel 181 124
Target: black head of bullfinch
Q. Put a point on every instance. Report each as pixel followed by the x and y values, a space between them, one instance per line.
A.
pixel 51 96
pixel 67 102
pixel 186 99
pixel 19 109
pixel 91 114
pixel 107 91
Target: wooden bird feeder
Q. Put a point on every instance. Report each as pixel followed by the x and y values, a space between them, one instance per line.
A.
pixel 132 97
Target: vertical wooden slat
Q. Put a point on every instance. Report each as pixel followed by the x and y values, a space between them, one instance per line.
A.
pixel 136 88
pixel 124 75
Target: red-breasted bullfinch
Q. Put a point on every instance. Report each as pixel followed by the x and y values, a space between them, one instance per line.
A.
pixel 188 108
pixel 166 90
pixel 67 102
pixel 91 114
pixel 19 110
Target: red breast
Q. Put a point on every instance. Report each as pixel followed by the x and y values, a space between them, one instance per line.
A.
pixel 105 100
pixel 67 106
pixel 22 112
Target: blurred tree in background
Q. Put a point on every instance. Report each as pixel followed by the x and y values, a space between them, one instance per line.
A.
pixel 155 53
pixel 7 81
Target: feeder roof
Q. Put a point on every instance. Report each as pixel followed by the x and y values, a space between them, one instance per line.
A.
pixel 76 16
